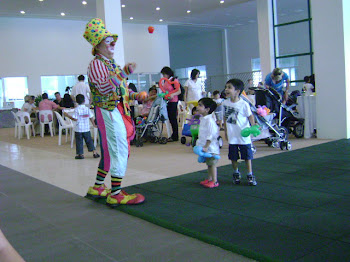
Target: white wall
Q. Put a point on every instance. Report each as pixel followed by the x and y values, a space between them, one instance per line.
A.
pixel 243 45
pixel 37 47
pixel 149 51
pixel 330 37
pixel 204 48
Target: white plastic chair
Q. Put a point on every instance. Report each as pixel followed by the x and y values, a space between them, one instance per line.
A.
pixel 24 121
pixel 46 118
pixel 181 113
pixel 17 122
pixel 67 125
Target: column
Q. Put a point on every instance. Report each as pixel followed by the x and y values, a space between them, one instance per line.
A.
pixel 110 12
pixel 265 32
pixel 331 34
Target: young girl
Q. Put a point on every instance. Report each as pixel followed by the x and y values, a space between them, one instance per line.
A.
pixel 208 139
pixel 146 106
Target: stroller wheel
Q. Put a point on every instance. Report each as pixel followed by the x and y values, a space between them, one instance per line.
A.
pixel 282 145
pixel 138 143
pixel 163 140
pixel 288 146
pixel 183 140
pixel 298 130
pixel 275 144
pixel 283 132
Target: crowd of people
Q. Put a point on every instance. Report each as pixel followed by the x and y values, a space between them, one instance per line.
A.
pixel 111 96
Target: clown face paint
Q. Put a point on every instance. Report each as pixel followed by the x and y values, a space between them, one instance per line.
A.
pixel 106 47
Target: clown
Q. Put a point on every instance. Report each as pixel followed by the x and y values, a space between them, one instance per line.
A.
pixel 110 96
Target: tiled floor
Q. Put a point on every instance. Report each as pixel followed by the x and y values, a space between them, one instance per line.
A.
pixel 43 159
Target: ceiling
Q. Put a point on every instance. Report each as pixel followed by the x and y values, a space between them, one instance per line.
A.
pixel 204 13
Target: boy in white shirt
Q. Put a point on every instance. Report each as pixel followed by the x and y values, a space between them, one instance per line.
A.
pixel 208 139
pixel 238 116
pixel 81 115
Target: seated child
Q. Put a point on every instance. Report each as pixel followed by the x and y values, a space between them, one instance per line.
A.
pixel 219 111
pixel 81 115
pixel 147 104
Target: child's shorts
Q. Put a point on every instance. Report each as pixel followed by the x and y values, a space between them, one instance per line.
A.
pixel 219 115
pixel 211 161
pixel 236 152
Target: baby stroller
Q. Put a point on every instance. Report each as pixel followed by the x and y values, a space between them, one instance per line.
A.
pixel 151 128
pixel 273 134
pixel 286 115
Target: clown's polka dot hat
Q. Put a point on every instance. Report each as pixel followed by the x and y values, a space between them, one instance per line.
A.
pixel 95 32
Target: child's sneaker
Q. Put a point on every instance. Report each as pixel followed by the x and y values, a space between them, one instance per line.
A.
pixel 204 182
pixel 124 198
pixel 236 178
pixel 98 191
pixel 211 184
pixel 251 180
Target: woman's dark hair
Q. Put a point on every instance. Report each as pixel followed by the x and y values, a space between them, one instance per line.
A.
pixel 81 78
pixel 194 73
pixel 208 103
pixel 216 92
pixel 67 101
pixel 167 71
pixel 237 84
pixel 45 96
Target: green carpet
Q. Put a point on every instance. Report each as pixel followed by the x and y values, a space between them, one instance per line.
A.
pixel 299 211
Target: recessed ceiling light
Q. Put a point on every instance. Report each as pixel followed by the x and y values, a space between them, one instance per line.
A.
pixel 158 8
pixel 41 0
pixel 188 11
pixel 63 14
pixel 160 20
pixel 22 12
pixel 84 3
pixel 131 18
pixel 222 1
pixel 123 5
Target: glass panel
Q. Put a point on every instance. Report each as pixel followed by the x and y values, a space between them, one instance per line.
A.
pixel 155 78
pixel 255 64
pixel 296 67
pixel 15 88
pixel 292 39
pixel 144 83
pixel 287 11
pixel 53 84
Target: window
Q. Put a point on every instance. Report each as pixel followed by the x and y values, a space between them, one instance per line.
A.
pixel 185 73
pixel 257 76
pixel 13 91
pixel 292 38
pixel 53 84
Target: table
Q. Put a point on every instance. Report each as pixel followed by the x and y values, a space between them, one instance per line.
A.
pixel 307 110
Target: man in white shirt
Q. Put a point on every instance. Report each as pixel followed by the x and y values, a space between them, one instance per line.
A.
pixel 82 88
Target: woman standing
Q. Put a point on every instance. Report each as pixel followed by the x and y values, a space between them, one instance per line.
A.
pixel 193 87
pixel 167 72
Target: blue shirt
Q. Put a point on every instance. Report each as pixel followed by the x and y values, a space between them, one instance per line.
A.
pixel 277 86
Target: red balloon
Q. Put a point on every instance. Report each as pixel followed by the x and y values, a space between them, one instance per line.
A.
pixel 150 29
